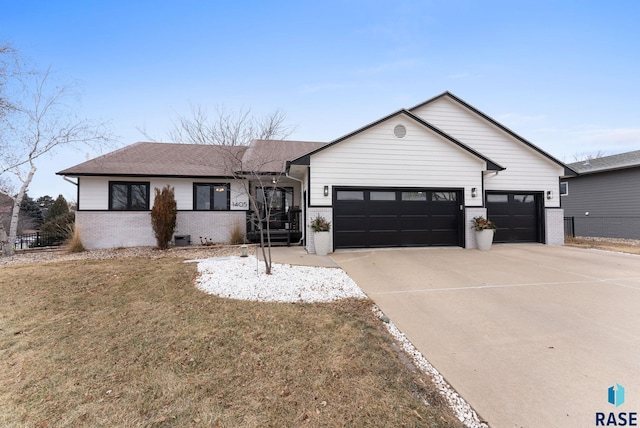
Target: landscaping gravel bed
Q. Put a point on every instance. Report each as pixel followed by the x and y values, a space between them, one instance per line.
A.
pixel 244 278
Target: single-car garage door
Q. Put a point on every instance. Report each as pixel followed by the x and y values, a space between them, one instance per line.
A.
pixel 516 216
pixel 380 217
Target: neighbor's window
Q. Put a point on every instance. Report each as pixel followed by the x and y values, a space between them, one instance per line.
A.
pixel 211 197
pixel 564 188
pixel 128 196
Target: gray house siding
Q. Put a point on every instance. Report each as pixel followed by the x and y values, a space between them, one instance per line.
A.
pixel 612 201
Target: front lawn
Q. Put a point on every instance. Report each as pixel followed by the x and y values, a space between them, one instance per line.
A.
pixel 131 342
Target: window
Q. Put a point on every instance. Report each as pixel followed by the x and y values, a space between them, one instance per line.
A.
pixel 495 199
pixel 350 195
pixel 211 197
pixel 564 188
pixel 443 196
pixel 525 199
pixel 382 195
pixel 414 196
pixel 128 196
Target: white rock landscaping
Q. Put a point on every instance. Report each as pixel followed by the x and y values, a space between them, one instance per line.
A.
pixel 244 278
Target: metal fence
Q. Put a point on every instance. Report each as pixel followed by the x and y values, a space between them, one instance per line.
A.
pixel 603 227
pixel 38 239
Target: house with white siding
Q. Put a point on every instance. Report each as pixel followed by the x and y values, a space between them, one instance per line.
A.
pixel 416 177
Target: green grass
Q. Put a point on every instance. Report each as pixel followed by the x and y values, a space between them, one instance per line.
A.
pixel 131 342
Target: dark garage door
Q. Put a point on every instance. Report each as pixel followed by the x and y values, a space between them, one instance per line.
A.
pixel 516 215
pixel 396 217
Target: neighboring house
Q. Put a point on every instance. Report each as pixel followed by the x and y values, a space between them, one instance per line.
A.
pixel 604 199
pixel 416 177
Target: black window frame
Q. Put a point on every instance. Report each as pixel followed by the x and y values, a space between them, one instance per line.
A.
pixel 211 187
pixel 129 185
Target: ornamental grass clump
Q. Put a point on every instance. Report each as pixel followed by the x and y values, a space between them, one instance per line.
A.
pixel 163 216
pixel 320 224
pixel 481 223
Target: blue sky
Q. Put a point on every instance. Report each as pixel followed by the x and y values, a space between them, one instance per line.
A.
pixel 562 74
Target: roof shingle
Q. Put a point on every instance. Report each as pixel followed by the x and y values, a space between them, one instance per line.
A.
pixel 607 163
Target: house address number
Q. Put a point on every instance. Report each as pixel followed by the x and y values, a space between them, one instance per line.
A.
pixel 240 204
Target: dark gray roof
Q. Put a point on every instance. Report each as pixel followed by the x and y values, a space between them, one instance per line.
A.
pixel 193 160
pixel 607 163
pixel 271 156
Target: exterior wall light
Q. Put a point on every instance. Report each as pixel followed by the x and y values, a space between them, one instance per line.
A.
pixel 474 192
pixel 549 194
pixel 326 190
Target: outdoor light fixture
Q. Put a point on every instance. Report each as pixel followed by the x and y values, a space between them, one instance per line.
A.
pixel 326 190
pixel 549 194
pixel 274 181
pixel 474 192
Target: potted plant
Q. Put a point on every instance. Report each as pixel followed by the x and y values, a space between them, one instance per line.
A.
pixel 321 227
pixel 485 230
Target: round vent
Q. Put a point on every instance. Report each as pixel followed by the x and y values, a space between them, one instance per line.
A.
pixel 400 131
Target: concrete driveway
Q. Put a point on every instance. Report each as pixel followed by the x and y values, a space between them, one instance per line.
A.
pixel 531 335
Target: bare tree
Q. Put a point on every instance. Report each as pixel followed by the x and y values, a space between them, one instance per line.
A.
pixel 225 127
pixel 263 175
pixel 228 128
pixel 38 123
pixel 578 157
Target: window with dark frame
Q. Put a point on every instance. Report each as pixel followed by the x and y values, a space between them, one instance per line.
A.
pixel 128 196
pixel 211 197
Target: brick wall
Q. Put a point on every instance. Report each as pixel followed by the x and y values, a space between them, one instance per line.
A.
pixel 326 212
pixel 110 229
pixel 554 226
pixel 469 232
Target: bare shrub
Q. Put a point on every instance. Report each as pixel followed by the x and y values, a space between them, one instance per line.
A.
pixel 74 244
pixel 237 234
pixel 164 216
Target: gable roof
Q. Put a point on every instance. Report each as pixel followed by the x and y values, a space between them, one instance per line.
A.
pixel 607 163
pixel 193 160
pixel 272 156
pixel 568 172
pixel 491 165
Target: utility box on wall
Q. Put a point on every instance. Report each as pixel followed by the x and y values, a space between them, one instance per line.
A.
pixel 182 240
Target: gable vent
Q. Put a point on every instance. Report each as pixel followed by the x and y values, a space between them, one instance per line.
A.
pixel 400 131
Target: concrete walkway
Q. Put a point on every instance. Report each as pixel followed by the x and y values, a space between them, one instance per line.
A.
pixel 529 335
pixel 297 255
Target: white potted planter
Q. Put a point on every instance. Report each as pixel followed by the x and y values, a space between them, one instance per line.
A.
pixel 485 229
pixel 321 243
pixel 321 235
pixel 484 238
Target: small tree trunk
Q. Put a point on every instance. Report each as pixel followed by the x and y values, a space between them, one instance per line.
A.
pixel 15 214
pixel 267 263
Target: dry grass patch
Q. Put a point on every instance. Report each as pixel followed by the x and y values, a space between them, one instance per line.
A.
pixel 621 245
pixel 131 342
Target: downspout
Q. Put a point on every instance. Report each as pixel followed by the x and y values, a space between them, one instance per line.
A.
pixel 303 204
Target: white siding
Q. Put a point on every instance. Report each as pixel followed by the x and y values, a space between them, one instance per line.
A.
pixel 94 191
pixel 375 157
pixel 526 169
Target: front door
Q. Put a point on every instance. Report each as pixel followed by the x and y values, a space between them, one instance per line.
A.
pixel 274 204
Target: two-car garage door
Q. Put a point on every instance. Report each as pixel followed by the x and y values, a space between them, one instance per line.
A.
pixel 375 217
pixel 381 217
